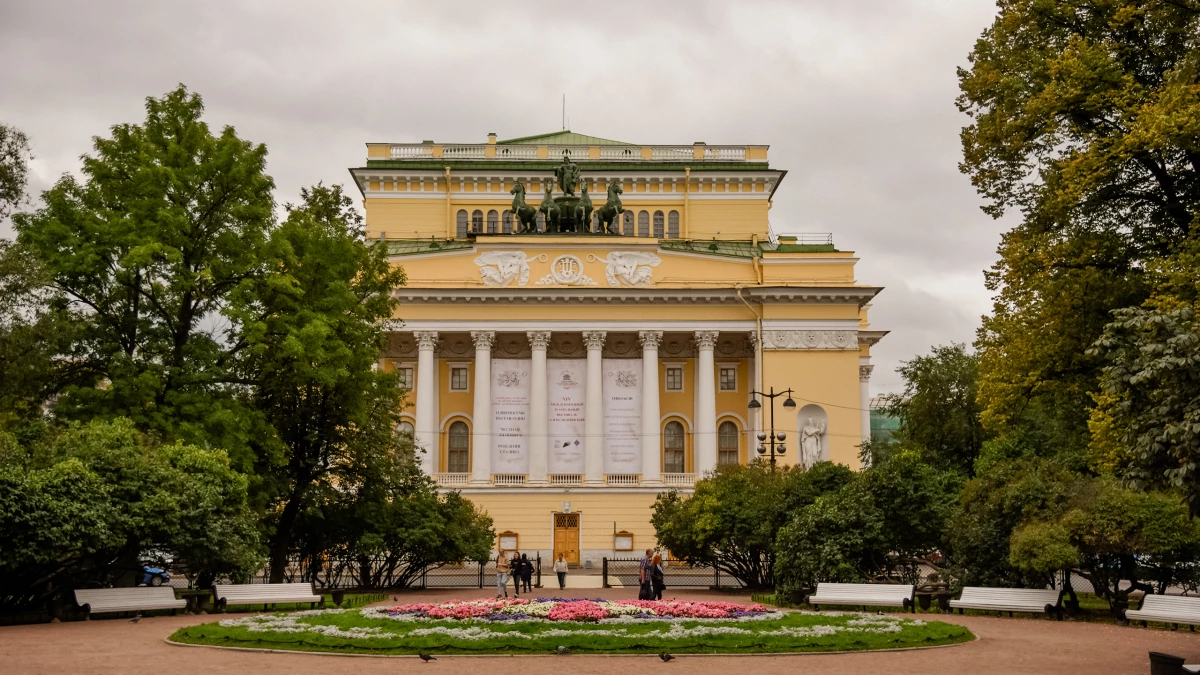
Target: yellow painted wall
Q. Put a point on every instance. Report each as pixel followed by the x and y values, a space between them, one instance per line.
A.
pixel 727 218
pixel 531 515
pixel 828 378
pixel 406 218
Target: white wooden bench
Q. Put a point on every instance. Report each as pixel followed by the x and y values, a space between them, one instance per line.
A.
pixel 130 599
pixel 268 594
pixel 1009 600
pixel 885 595
pixel 1172 609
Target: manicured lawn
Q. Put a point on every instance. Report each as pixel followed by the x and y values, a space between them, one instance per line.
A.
pixel 369 632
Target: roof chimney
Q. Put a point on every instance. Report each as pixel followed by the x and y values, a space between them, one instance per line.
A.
pixel 491 139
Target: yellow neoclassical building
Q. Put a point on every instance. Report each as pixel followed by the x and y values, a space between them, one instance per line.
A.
pixel 585 320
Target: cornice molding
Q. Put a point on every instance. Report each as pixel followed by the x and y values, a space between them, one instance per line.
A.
pixel 785 295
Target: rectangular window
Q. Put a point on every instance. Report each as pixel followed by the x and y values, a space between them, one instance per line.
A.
pixel 728 378
pixel 458 379
pixel 674 378
pixel 406 378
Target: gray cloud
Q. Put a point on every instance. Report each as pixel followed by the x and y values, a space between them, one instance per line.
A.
pixel 856 99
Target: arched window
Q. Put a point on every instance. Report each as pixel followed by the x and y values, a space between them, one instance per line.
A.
pixel 673 225
pixel 643 223
pixel 541 222
pixel 493 222
pixel 673 447
pixel 477 221
pixel 507 220
pixel 460 448
pixel 628 231
pixel 658 224
pixel 727 443
pixel 461 230
pixel 405 429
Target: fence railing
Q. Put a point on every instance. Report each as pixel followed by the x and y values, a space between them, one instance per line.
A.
pixel 676 574
pixel 345 573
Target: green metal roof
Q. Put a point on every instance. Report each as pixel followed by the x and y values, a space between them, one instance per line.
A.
pixel 738 249
pixel 416 246
pixel 566 137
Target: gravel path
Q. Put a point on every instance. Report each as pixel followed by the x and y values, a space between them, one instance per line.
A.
pixel 1005 646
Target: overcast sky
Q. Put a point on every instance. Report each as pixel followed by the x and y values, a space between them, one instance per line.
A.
pixel 855 98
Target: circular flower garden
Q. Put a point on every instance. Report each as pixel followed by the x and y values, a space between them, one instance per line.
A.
pixel 575 625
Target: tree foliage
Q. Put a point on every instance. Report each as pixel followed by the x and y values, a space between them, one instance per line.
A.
pixel 14 168
pixel 84 506
pixel 310 329
pixel 1085 119
pixel 938 409
pixel 168 220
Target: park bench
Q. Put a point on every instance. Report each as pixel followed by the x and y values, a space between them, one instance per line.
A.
pixel 886 595
pixel 1009 600
pixel 1172 609
pixel 130 599
pixel 267 594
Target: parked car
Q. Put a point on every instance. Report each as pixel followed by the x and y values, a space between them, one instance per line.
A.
pixel 154 576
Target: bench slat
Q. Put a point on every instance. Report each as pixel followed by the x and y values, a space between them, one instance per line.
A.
pixel 246 594
pixel 1006 599
pixel 862 594
pixel 100 600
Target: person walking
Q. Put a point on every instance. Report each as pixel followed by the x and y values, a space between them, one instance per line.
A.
pixel 658 577
pixel 644 592
pixel 560 568
pixel 502 569
pixel 516 567
pixel 526 573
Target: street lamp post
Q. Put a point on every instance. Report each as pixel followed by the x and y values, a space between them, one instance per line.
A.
pixel 774 442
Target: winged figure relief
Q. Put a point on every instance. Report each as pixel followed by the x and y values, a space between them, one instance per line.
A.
pixel 630 268
pixel 499 268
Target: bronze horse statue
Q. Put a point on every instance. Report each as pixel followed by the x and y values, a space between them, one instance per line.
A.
pixel 611 211
pixel 583 210
pixel 548 209
pixel 526 215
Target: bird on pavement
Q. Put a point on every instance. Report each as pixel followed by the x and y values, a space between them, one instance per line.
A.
pixel 563 650
pixel 665 657
pixel 426 658
pixel 136 618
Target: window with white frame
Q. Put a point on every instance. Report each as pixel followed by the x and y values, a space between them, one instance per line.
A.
pixel 728 378
pixel 458 378
pixel 674 378
pixel 406 377
pixel 727 443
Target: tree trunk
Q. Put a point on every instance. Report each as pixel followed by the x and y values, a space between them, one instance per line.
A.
pixel 281 544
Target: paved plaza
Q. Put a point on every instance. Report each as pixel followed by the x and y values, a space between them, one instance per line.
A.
pixel 1018 645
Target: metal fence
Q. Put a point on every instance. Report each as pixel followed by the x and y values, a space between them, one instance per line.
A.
pixel 677 574
pixel 344 573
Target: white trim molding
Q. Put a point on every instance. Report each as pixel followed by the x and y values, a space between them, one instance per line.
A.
pixel 841 340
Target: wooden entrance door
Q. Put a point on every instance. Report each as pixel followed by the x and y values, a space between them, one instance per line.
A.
pixel 566 536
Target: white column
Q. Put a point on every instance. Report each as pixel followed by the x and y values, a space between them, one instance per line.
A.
pixel 425 430
pixel 539 429
pixel 593 424
pixel 705 443
pixel 651 447
pixel 481 438
pixel 864 398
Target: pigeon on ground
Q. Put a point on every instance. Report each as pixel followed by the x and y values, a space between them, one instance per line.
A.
pixel 426 658
pixel 136 618
pixel 395 599
pixel 563 650
pixel 665 657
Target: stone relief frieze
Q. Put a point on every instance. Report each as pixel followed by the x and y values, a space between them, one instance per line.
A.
pixel 567 270
pixel 810 339
pixel 628 268
pixel 500 268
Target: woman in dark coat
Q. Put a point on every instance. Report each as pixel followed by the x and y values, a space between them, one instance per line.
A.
pixel 526 572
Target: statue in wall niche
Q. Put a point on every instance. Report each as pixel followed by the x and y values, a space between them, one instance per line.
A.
pixel 810 442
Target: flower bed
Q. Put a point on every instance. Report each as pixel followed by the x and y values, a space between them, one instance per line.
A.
pixel 571 609
pixel 542 625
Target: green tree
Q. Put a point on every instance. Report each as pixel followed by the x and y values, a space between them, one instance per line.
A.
pixel 1084 119
pixel 14 168
pixel 168 220
pixel 939 409
pixel 83 506
pixel 310 331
